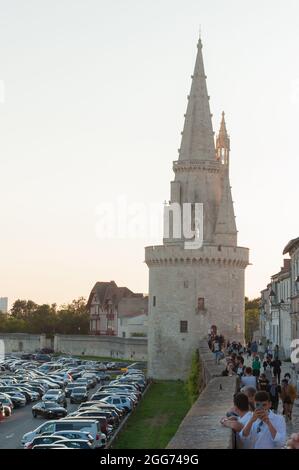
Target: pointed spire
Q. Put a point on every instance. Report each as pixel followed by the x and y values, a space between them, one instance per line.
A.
pixel 198 137
pixel 223 143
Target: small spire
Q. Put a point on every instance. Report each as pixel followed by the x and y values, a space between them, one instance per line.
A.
pixel 223 143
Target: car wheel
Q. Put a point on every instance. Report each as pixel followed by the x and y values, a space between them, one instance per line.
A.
pixel 34 414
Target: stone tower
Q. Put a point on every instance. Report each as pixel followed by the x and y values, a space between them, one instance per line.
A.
pixel 192 289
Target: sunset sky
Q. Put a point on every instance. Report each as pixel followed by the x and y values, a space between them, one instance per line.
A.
pixel 92 98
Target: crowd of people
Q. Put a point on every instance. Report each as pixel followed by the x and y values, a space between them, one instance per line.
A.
pixel 254 416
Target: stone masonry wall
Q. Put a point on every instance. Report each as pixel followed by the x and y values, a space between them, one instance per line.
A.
pixel 201 428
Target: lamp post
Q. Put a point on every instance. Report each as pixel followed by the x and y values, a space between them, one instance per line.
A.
pixel 272 297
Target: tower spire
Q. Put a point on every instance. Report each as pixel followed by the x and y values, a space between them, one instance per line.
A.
pixel 223 143
pixel 198 137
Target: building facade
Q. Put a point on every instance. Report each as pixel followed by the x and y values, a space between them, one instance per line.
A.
pixel 193 286
pixel 292 249
pixel 132 317
pixel 103 305
pixel 275 311
pixel 3 304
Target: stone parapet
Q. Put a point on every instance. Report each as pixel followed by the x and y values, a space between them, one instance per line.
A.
pixel 172 255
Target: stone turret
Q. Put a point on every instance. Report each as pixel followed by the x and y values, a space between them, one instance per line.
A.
pixel 192 289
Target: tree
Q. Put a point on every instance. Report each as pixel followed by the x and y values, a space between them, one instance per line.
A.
pixel 251 317
pixel 23 309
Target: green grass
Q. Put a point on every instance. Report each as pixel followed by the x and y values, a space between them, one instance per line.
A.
pixel 157 418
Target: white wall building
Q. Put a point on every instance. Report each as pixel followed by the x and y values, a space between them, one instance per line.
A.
pixel 275 310
pixel 292 249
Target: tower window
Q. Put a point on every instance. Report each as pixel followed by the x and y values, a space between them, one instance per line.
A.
pixel 184 326
pixel 200 303
pixel 186 284
pixel 154 301
pixel 219 247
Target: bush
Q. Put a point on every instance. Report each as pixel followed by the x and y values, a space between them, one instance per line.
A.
pixel 194 381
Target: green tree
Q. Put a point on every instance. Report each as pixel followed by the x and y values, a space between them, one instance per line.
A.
pixel 23 309
pixel 251 317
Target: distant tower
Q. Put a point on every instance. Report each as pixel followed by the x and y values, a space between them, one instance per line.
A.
pixel 192 289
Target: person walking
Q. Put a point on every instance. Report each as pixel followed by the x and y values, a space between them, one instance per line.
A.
pixel 268 372
pixel 276 365
pixel 288 395
pixel 263 383
pixel 254 348
pixel 265 429
pixel 217 350
pixel 261 350
pixel 256 366
pixel 274 392
pixel 276 352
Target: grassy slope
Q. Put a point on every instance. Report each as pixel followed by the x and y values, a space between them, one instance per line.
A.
pixel 157 417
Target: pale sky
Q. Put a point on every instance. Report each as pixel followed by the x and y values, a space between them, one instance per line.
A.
pixel 92 101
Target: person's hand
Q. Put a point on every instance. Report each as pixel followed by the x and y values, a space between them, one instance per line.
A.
pixel 256 415
pixel 265 417
pixel 293 443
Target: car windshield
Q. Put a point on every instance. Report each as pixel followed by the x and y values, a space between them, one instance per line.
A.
pixel 53 392
pixel 79 390
pixel 50 405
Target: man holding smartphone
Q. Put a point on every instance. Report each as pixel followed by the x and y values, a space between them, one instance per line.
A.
pixel 265 429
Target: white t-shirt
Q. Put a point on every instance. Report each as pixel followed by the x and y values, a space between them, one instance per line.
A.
pixel 248 380
pixel 241 442
pixel 263 439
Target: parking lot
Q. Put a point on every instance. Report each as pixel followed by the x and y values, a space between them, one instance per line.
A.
pixel 110 385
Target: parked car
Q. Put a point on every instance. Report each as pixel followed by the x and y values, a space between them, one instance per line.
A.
pixel 44 440
pixel 77 444
pixel 69 389
pixel 55 395
pixel 78 435
pixel 43 358
pixel 66 424
pixel 6 401
pixel 84 381
pixel 48 409
pixel 55 445
pixel 17 398
pixel 78 395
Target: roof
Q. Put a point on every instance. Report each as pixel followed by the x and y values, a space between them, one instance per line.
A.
pixel 198 137
pixel 109 291
pixel 292 244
